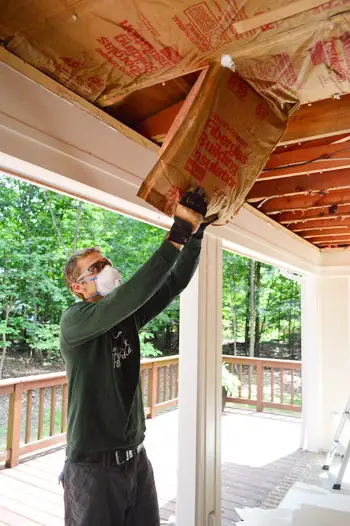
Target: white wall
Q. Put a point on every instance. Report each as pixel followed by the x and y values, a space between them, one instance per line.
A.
pixel 326 357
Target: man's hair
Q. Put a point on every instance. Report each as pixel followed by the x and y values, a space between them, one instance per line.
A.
pixel 71 271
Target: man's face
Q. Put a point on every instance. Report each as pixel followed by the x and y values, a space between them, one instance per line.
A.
pixel 88 267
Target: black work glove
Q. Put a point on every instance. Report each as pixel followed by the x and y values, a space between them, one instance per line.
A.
pixel 191 210
pixel 200 232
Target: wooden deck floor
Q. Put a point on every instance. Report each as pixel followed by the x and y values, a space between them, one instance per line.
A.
pixel 260 462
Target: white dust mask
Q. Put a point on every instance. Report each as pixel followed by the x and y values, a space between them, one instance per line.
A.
pixel 107 280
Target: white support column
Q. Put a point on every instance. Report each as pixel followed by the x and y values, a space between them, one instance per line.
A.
pixel 326 357
pixel 199 470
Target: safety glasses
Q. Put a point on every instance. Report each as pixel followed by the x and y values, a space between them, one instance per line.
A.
pixel 94 268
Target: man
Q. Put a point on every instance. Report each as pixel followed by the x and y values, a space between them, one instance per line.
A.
pixel 108 479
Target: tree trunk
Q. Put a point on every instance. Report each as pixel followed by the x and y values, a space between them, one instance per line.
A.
pixel 4 342
pixel 77 225
pixel 234 329
pixel 251 307
pixel 257 308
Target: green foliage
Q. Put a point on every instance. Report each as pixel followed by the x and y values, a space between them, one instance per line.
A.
pixel 40 229
pixel 45 337
pixel 228 380
pixel 148 350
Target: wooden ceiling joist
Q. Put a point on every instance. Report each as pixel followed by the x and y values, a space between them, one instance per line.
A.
pixel 333 244
pixel 314 214
pixel 311 234
pixel 305 202
pixel 324 240
pixel 324 118
pixel 321 119
pixel 301 184
pixel 322 223
pixel 307 160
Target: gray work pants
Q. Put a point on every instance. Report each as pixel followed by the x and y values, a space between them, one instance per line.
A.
pixel 107 494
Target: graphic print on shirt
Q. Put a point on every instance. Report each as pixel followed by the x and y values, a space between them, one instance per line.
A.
pixel 121 348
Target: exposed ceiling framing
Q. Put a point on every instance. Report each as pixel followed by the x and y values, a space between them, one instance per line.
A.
pixel 305 185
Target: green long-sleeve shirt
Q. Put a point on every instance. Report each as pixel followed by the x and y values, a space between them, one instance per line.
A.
pixel 100 345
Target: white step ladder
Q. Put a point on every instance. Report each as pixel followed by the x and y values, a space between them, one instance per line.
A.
pixel 336 443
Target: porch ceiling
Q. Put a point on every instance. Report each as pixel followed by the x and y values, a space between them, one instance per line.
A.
pixel 305 186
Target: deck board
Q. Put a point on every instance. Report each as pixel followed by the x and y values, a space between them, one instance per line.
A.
pixel 260 461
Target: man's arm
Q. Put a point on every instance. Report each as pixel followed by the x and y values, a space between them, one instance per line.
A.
pixel 86 320
pixel 178 279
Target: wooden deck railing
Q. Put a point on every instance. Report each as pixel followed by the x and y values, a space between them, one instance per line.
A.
pixel 263 383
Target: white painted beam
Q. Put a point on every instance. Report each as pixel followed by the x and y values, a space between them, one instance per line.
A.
pixel 199 470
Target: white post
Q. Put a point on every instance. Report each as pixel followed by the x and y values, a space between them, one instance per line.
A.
pixel 199 469
pixel 326 357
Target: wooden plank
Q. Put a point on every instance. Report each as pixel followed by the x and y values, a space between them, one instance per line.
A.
pixel 321 119
pixel 5 455
pixel 14 427
pixel 16 486
pixel 14 519
pixel 43 443
pixel 326 232
pixel 64 408
pixel 274 15
pixel 171 386
pixel 6 388
pixel 314 214
pixel 240 381
pixel 36 501
pixel 299 184
pixel 302 202
pixel 167 404
pixel 28 416
pixel 295 364
pixel 301 161
pixel 292 387
pixel 338 240
pixel 29 511
pixel 250 381
pixel 329 223
pixel 153 389
pixel 324 118
pixel 157 126
pixel 300 155
pixel 53 411
pixel 284 407
pixel 323 236
pixel 260 386
pixel 272 375
pixel 243 401
pixel 282 385
pixel 41 413
pixel 159 384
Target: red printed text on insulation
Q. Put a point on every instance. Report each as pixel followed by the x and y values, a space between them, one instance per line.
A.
pixel 218 152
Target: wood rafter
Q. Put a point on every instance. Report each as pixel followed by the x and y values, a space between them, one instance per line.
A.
pixel 301 184
pixel 321 223
pixel 302 202
pixel 314 214
pixel 292 162
pixel 322 119
pixel 332 244
pixel 330 237
pixel 334 232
